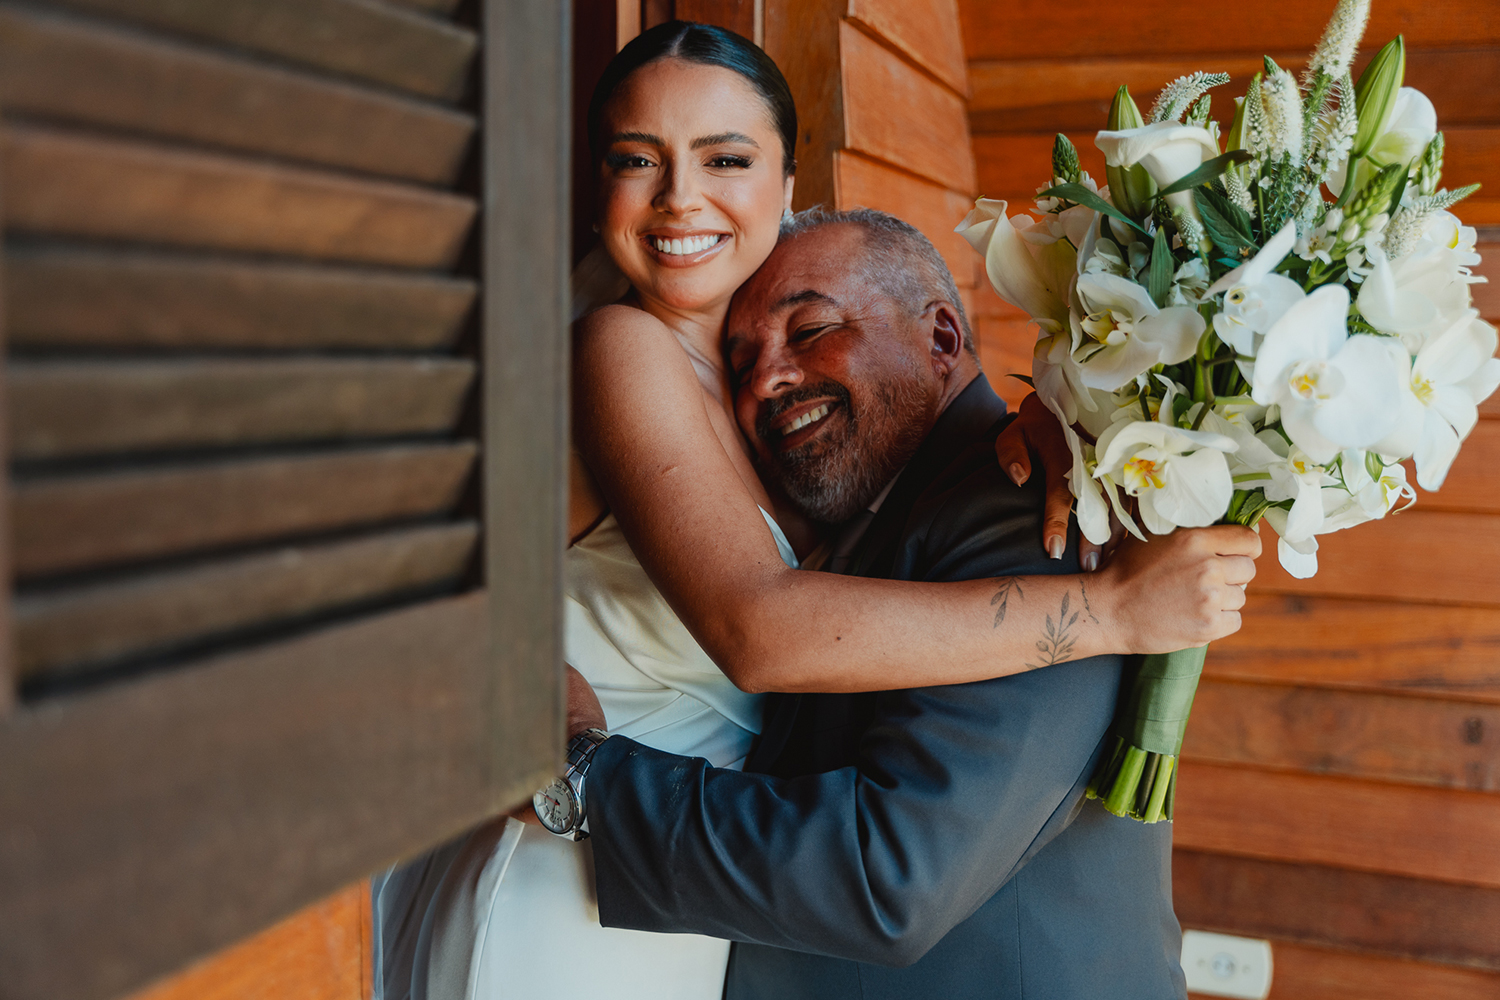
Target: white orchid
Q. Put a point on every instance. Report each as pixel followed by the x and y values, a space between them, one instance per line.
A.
pixel 1254 297
pixel 1168 151
pixel 1299 558
pixel 1180 478
pixel 1423 292
pixel 1122 333
pixel 1334 391
pixel 1363 498
pixel 1439 403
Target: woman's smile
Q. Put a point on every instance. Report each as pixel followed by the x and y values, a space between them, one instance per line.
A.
pixel 684 247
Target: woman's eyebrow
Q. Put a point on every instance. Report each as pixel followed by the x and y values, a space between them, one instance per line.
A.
pixel 720 138
pixel 645 137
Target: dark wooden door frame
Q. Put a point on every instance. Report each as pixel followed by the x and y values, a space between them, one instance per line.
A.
pixel 145 824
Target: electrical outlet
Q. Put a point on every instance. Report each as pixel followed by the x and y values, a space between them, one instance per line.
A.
pixel 1222 965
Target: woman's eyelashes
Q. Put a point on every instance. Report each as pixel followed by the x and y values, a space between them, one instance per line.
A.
pixel 726 161
pixel 627 161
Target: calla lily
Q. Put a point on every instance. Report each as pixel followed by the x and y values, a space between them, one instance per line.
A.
pixel 1452 374
pixel 1335 391
pixel 1180 478
pixel 1168 150
pixel 1254 297
pixel 1404 137
pixel 1122 332
pixel 1016 267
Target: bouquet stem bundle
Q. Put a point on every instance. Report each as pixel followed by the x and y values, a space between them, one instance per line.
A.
pixel 1137 777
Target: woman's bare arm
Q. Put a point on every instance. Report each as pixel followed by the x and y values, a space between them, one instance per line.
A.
pixel 643 425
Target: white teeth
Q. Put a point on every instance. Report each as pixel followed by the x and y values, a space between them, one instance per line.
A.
pixel 810 417
pixel 683 247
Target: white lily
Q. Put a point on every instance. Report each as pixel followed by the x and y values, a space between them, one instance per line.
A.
pixel 1410 127
pixel 1439 403
pixel 1335 391
pixel 1169 151
pixel 1180 478
pixel 1123 334
pixel 1254 297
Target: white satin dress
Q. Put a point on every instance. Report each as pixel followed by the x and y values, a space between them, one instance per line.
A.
pixel 509 910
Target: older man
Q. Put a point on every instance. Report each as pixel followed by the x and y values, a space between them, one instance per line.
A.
pixel 917 843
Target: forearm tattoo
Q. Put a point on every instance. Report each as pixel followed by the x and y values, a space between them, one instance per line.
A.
pixel 1009 585
pixel 1059 639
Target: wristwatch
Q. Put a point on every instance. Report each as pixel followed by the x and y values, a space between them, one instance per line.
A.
pixel 560 805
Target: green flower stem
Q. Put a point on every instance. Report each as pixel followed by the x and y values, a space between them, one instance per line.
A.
pixel 1121 797
pixel 1156 807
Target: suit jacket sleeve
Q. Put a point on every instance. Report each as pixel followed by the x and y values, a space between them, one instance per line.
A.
pixel 954 788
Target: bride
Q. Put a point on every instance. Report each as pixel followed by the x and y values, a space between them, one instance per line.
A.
pixel 683 597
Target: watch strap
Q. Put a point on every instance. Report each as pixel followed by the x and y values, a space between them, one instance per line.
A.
pixel 580 756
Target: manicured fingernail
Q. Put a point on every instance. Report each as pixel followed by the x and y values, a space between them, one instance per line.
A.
pixel 1055 547
pixel 1017 474
pixel 1090 562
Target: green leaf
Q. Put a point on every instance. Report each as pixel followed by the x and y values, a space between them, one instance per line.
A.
pixel 1080 195
pixel 1226 236
pixel 1206 172
pixel 1161 269
pixel 1231 212
pixel 1022 378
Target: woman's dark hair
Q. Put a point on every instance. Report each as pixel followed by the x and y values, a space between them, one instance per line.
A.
pixel 710 46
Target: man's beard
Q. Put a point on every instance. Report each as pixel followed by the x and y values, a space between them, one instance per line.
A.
pixel 839 473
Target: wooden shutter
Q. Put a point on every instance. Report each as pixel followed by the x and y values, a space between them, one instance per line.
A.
pixel 284 304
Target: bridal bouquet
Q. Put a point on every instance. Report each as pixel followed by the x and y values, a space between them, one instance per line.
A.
pixel 1256 326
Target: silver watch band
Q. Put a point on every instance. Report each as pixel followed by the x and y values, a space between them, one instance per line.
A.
pixel 581 750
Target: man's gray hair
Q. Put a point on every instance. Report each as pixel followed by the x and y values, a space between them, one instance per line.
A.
pixel 901 261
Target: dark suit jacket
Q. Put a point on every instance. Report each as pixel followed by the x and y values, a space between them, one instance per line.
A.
pixel 932 842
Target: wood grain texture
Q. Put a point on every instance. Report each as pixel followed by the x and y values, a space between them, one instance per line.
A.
pixel 62 409
pixel 79 521
pixel 1012 165
pixel 1335 907
pixel 67 183
pixel 65 629
pixel 154 822
pixel 1005 349
pixel 926 33
pixel 736 15
pixel 1362 825
pixel 862 182
pixel 896 114
pixel 999 30
pixel 77 297
pixel 1423 556
pixel 1306 973
pixel 1029 94
pixel 802 36
pixel 315 954
pixel 364 39
pixel 1364 645
pixel 75 70
pixel 1439 742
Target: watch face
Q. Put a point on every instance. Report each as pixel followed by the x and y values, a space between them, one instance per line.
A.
pixel 556 806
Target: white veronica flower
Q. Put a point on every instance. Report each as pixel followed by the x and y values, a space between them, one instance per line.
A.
pixel 1439 403
pixel 1335 391
pixel 1122 332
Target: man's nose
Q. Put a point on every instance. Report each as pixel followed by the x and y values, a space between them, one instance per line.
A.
pixel 774 375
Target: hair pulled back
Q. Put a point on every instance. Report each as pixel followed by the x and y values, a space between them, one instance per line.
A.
pixel 710 46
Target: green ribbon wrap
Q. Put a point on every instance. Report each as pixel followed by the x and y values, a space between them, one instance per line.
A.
pixel 1137 777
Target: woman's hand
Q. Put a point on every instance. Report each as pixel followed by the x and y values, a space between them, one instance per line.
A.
pixel 1180 590
pixel 1036 429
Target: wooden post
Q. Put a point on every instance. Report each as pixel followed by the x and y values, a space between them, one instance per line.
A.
pixel 526 267
pixel 8 675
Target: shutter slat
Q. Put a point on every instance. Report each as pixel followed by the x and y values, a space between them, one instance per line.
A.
pixel 67 409
pixel 152 611
pixel 366 39
pixel 72 297
pixel 64 182
pixel 85 521
pixel 68 68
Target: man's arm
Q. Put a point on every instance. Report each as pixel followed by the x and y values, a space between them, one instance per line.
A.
pixel 952 791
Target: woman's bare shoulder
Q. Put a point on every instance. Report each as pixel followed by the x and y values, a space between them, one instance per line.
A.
pixel 622 345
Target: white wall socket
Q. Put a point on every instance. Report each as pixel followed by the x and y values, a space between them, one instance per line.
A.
pixel 1221 965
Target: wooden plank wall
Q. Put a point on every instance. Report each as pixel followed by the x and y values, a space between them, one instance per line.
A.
pixel 1340 793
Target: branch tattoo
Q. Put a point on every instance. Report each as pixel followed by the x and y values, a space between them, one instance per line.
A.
pixel 1060 638
pixel 1009 585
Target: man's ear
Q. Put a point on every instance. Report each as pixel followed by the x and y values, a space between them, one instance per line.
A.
pixel 947 338
pixel 787 199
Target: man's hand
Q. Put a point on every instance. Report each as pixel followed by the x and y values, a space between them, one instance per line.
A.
pixel 1180 590
pixel 1036 429
pixel 584 711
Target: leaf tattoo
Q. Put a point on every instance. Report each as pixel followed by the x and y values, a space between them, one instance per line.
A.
pixel 1058 643
pixel 1084 591
pixel 1008 586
